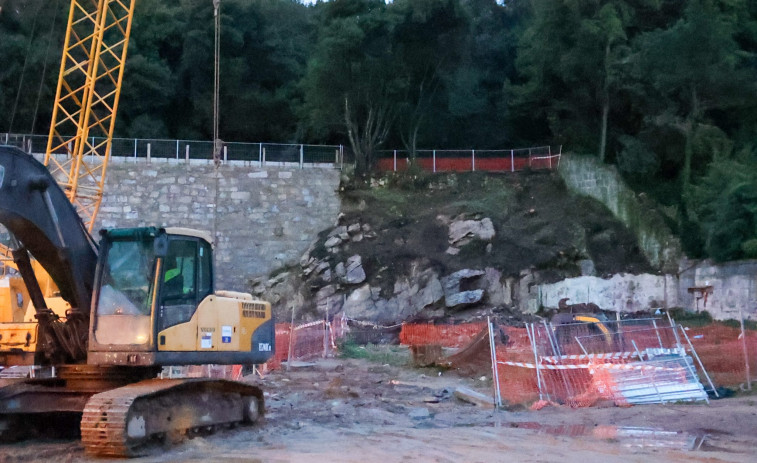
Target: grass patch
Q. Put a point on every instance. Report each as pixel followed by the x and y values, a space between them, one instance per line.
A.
pixel 384 354
pixel 691 319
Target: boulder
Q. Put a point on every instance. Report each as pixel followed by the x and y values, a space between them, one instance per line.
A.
pixel 321 267
pixel 497 293
pixel 354 228
pixel 464 298
pixel 453 296
pixel 332 241
pixel 451 283
pixel 354 272
pixel 465 229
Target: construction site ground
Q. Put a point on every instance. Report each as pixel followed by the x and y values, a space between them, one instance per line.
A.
pixel 380 409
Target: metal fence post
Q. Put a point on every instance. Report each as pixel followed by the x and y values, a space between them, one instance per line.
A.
pixel 434 154
pixel 341 157
pixel 260 154
pixel 473 160
pixel 262 162
pixel 746 352
pixel 512 160
pixel 495 368
pixel 302 156
pixel 149 146
pixel 225 154
pixel 186 154
pixel 532 341
pixel 135 149
pixel 395 160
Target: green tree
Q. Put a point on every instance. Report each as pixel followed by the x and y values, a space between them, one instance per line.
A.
pixel 429 40
pixel 693 70
pixel 351 78
pixel 724 203
pixel 30 43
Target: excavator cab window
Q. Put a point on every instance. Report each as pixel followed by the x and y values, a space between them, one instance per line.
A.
pixel 179 295
pixel 125 297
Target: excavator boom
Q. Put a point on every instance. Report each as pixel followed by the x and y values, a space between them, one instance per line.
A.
pixel 39 215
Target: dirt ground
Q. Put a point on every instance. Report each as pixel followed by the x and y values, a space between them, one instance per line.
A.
pixel 356 410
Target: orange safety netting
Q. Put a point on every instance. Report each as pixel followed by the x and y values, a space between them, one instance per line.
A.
pixel 721 349
pixel 416 334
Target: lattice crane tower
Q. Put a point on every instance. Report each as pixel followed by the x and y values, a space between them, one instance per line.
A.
pixel 86 100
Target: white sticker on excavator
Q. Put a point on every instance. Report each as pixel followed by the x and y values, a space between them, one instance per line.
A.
pixel 226 334
pixel 206 342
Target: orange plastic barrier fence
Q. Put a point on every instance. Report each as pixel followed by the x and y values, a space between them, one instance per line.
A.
pixel 721 349
pixel 308 340
pixel 416 334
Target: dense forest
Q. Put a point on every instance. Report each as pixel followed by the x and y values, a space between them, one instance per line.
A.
pixel 666 90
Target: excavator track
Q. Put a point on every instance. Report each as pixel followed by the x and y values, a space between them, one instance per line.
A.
pixel 124 422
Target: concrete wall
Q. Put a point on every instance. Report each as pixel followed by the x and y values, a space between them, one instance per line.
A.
pixel 588 176
pixel 263 218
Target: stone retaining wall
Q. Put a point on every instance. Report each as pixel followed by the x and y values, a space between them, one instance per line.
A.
pixel 263 218
pixel 588 176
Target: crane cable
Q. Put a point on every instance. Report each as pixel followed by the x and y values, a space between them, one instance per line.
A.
pixel 44 65
pixel 23 69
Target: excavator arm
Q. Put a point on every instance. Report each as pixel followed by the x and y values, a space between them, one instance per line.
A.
pixel 37 212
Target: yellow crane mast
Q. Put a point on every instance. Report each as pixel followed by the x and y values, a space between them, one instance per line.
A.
pixel 86 100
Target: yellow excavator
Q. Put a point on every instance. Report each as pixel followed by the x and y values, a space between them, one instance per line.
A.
pixel 140 299
pixel 134 302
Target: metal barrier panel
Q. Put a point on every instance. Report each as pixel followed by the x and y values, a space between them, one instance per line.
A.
pixel 248 152
pixel 289 154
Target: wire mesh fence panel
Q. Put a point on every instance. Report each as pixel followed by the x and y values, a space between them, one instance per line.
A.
pixel 124 148
pixel 317 154
pixel 499 161
pixel 273 153
pixel 728 357
pixel 197 149
pixel 445 335
pixel 581 364
pixel 393 161
pixel 38 143
pixel 247 152
pixel 159 149
pixel 453 161
pixel 310 341
pixel 507 160
pixel 367 333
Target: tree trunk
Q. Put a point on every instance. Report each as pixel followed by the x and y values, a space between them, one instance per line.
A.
pixel 605 105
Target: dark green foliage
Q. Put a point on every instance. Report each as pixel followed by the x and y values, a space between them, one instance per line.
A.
pixel 664 89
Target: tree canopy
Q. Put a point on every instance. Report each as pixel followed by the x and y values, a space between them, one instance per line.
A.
pixel 664 89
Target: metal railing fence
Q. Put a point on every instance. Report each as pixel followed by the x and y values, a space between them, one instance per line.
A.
pixel 253 153
pixel 471 160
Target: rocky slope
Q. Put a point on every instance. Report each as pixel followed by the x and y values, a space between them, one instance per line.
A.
pixel 450 246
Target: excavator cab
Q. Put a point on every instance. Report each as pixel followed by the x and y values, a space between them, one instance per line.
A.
pixel 155 304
